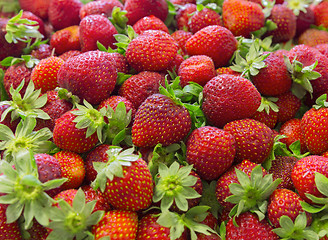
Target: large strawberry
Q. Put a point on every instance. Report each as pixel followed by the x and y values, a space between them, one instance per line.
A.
pixel 91 76
pixel 223 101
pixel 203 17
pixel 149 23
pixel 211 151
pixel 214 41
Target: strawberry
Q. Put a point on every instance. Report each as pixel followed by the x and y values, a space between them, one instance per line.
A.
pixel 248 227
pixel 120 62
pixel 214 41
pixel 71 53
pixel 44 74
pixel 211 151
pixel 199 69
pixel 304 19
pixel 181 37
pixel 95 28
pixel 285 20
pixel 242 17
pixel 36 232
pixel 321 13
pixel 184 15
pixel 222 102
pixel 288 105
pixel 226 70
pixel 323 48
pixel 8 230
pixel 99 7
pixel 39 7
pixel 159 119
pixel 12 124
pixel 268 117
pixel 314 129
pixel 66 39
pixel 94 82
pixel 140 86
pixel 203 18
pixel 285 202
pixel 64 13
pixel 149 23
pixel 182 2
pixel 91 194
pixel 153 50
pixel 312 37
pixel 42 51
pixel 72 168
pixel 39 22
pixel 137 9
pixel 118 225
pixel 304 172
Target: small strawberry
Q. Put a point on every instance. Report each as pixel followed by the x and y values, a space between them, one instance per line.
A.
pixel 149 23
pixel 203 17
pixel 223 103
pixel 312 37
pixel 99 7
pixel 184 15
pixel 211 151
pixel 118 225
pixel 214 41
pixel 42 51
pixel 267 112
pixel 288 105
pixel 66 39
pixel 321 13
pixel 181 37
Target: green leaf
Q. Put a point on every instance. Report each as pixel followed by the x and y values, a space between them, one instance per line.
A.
pixel 79 201
pixel 14 211
pixel 321 183
pixel 94 218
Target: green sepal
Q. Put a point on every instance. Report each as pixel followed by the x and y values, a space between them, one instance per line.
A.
pixel 119 20
pixel 28 60
pixel 68 96
pixel 268 104
pixel 268 26
pixel 298 6
pixel 124 39
pixel 321 102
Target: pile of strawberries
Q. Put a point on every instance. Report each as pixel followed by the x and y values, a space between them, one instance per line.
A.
pixel 180 119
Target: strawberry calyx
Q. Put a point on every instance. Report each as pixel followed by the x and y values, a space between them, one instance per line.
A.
pixel 24 138
pixel 123 39
pixel 269 25
pixel 209 198
pixel 73 222
pixel 268 104
pixel 174 185
pixel 251 193
pixel 298 5
pixel 119 20
pixel 68 96
pixel 301 76
pixel 191 219
pixel 23 190
pixel 19 29
pixel 114 166
pixel 27 106
pixel 28 60
pixel 320 225
pixel 321 102
pixel 296 229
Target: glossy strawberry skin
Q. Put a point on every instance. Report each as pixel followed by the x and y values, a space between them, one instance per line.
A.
pixel 204 18
pixel 160 120
pixel 303 175
pixel 95 28
pixel 8 230
pixel 268 119
pixel 288 105
pixel 90 76
pixel 211 151
pixel 99 7
pixel 214 41
pixel 67 137
pixel 223 103
pixel 153 50
pixel 181 37
pixel 149 23
pixel 66 39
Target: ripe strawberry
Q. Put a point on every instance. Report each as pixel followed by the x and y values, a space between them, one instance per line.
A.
pixel 8 230
pixel 184 15
pixel 249 227
pixel 303 175
pixel 44 74
pixel 94 82
pixel 254 140
pixel 242 17
pixel 72 168
pixel 118 225
pixel 285 202
pixel 112 102
pixel 226 70
pixel 37 231
pixel 137 9
pixel 304 20
pixel 312 37
pixel 66 39
pixel 39 7
pixel 149 23
pixel 321 14
pixel 204 18
pixel 181 37
pixel 159 119
pixel 211 151
pixel 282 167
pixel 153 50
pixel 214 41
pixel 269 119
pixel 199 69
pixel 223 102
pixel 64 13
pixel 42 51
pixel 285 20
pixel 71 53
pixel 323 48
pixel 119 61
pixel 91 194
pixel 288 105
pixel 95 28
pixel 104 7
pixel 140 86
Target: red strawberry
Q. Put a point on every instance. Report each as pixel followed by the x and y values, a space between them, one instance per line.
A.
pixel 199 69
pixel 223 101
pixel 71 53
pixel 304 20
pixel 140 86
pixel 99 7
pixel 119 61
pixel 38 7
pixel 149 23
pixel 181 37
pixel 95 28
pixel 282 167
pixel 37 231
pixel 214 41
pixel 72 168
pixel 66 39
pixel 93 82
pixel 204 18
pixel 226 70
pixel 8 230
pixel 303 175
pixel 39 22
pixel 160 120
pixel 137 9
pixel 249 227
pixel 44 74
pixel 269 119
pixel 182 2
pixel 284 202
pixel 184 15
pixel 153 50
pixel 288 105
pixel 211 151
pixel 312 37
pixel 254 140
pixel 91 194
pixel 118 225
pixel 64 13
pixel 321 13
pixel 323 48
pixel 42 51
pixel 242 17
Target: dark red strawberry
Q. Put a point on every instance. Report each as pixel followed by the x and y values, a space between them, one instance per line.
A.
pixel 304 20
pixel 38 7
pixel 8 230
pixel 66 39
pixel 42 51
pixel 203 18
pixel 71 53
pixel 99 7
pixel 288 105
pixel 149 23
